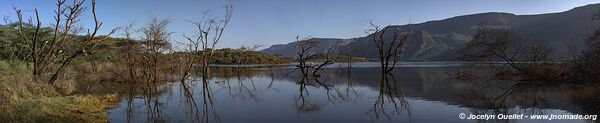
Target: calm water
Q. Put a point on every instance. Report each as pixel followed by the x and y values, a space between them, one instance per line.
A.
pixel 413 93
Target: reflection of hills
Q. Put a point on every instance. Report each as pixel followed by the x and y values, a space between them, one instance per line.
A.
pixel 434 84
pixel 236 87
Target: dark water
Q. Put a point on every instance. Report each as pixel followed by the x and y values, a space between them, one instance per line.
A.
pixel 412 93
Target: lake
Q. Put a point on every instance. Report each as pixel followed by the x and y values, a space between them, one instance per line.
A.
pixel 413 92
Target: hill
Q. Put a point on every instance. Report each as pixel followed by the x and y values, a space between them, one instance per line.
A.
pixel 442 40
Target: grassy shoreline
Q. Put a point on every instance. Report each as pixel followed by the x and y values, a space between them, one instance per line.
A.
pixel 22 100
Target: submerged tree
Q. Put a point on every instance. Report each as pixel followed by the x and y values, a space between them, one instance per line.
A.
pixel 304 50
pixel 489 44
pixel 204 42
pixel 155 41
pixel 529 60
pixel 389 49
pixel 328 60
pixel 131 52
pixel 346 53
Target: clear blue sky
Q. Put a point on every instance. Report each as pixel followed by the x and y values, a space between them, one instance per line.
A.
pixel 270 22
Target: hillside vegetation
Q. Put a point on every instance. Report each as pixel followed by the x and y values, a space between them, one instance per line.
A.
pixel 242 56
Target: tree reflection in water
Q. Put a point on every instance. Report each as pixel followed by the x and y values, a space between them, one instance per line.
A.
pixel 154 105
pixel 389 93
pixel 190 101
pixel 304 104
pixel 492 94
pixel 245 87
pixel 151 101
pixel 335 90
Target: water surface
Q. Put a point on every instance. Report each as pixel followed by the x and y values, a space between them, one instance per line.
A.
pixel 415 92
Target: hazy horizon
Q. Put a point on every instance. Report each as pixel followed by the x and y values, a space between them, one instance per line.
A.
pixel 276 22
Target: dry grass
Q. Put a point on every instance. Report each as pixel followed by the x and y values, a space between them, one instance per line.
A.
pixel 22 100
pixel 76 108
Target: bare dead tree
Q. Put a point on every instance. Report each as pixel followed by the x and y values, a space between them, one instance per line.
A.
pixel 527 59
pixel 328 60
pixel 210 30
pixel 189 57
pixel 155 41
pixel 52 56
pixel 389 49
pixel 540 61
pixel 6 19
pixel 303 50
pixel 131 51
pixel 346 53
pixel 489 44
pixel 203 43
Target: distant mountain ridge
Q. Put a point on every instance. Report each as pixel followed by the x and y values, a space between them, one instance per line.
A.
pixel 289 50
pixel 441 40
